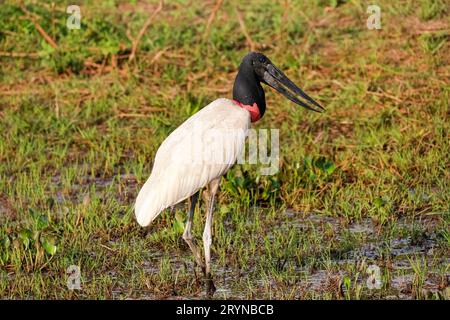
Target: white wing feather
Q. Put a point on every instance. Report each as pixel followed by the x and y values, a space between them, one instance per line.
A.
pixel 203 148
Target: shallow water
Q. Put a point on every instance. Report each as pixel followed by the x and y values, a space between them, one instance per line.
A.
pixel 395 254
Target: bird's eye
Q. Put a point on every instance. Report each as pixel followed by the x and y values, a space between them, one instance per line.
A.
pixel 262 59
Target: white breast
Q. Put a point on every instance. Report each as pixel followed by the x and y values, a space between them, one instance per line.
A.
pixel 203 148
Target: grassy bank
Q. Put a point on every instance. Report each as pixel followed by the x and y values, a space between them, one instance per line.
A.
pixel 366 183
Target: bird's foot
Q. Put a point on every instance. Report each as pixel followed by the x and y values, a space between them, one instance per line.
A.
pixel 210 287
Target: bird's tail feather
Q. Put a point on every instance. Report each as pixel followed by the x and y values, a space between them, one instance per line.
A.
pixel 147 206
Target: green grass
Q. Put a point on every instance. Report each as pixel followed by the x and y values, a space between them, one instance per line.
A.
pixel 365 183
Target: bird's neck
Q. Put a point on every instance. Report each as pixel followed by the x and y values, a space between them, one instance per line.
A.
pixel 248 93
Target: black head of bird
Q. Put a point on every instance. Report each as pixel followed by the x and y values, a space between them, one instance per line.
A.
pixel 255 69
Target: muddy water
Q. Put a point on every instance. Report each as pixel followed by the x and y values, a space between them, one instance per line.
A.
pixel 395 255
pixel 80 191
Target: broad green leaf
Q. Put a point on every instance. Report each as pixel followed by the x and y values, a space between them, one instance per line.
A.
pixel 49 247
pixel 25 236
pixel 329 167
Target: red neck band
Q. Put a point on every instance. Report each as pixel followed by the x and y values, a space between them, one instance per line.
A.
pixel 255 115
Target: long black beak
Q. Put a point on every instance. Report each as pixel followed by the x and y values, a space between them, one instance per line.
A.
pixel 275 78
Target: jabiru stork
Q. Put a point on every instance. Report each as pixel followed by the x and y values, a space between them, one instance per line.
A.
pixel 187 160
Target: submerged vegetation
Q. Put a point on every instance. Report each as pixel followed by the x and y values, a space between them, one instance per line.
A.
pixel 361 187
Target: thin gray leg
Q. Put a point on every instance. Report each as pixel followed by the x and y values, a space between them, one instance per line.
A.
pixel 207 237
pixel 187 235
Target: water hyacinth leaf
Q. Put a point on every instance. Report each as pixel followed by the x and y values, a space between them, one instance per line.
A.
pixel 324 165
pixel 329 167
pixel 318 163
pixel 48 246
pixel 25 236
pixel 25 233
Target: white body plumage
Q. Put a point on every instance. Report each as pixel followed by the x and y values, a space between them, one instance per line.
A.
pixel 203 148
